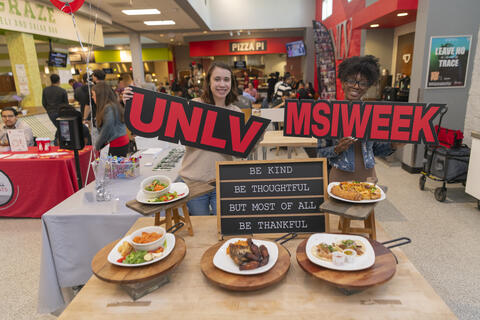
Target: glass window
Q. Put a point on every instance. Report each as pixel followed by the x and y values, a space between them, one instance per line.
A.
pixel 327 6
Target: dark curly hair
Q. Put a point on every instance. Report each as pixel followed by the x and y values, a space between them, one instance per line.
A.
pixel 367 66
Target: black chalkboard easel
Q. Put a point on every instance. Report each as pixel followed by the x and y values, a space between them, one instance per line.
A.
pixel 269 197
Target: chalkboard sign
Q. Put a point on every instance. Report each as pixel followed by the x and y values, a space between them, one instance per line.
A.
pixel 271 196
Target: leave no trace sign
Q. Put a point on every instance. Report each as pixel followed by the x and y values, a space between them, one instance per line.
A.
pixel 377 121
pixel 194 124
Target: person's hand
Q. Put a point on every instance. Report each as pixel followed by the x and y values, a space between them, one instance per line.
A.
pixel 127 94
pixel 343 144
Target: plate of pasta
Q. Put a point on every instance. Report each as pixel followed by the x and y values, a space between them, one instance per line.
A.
pixel 356 192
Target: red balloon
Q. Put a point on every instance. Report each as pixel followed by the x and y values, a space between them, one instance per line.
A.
pixel 68 6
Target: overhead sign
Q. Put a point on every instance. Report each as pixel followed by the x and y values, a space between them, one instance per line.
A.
pixel 448 61
pixel 245 46
pixel 194 124
pixel 278 196
pixel 44 19
pixel 376 121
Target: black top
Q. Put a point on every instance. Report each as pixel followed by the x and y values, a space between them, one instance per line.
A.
pixel 53 98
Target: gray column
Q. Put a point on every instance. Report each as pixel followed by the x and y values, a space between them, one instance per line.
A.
pixel 308 61
pixel 137 61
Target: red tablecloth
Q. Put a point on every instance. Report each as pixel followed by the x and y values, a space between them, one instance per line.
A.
pixel 31 187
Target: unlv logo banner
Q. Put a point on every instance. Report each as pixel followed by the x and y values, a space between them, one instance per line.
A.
pixel 377 121
pixel 194 124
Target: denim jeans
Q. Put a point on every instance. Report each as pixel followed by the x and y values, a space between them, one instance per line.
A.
pixel 200 206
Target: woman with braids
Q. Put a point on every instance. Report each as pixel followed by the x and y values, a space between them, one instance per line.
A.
pixel 352 159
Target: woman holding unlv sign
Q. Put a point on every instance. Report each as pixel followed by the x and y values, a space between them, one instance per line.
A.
pixel 350 158
pixel 199 165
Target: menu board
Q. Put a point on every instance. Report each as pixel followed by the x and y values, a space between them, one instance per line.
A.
pixel 271 196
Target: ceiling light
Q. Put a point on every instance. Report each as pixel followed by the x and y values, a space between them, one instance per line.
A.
pixel 205 31
pixel 159 23
pixel 375 25
pixel 402 14
pixel 140 12
pixel 171 39
pixel 161 34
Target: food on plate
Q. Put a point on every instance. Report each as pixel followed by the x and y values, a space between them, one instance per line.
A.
pixel 247 255
pixel 166 197
pixel 348 247
pixel 155 185
pixel 125 248
pixel 356 191
pixel 141 256
pixel 147 237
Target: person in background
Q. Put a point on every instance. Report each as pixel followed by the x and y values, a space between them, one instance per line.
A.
pixel 252 91
pixel 246 79
pixel 81 95
pixel 352 159
pixel 74 84
pixel 53 97
pixel 302 93
pixel 149 84
pixel 69 111
pixel 242 101
pixel 283 89
pixel 240 89
pixel 161 88
pixel 271 87
pixel 11 122
pixel 310 89
pixel 110 121
pixel 199 165
pixel 98 75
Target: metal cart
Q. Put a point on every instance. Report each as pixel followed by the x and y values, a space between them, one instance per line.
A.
pixel 449 165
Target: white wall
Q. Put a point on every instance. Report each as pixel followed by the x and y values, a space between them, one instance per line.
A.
pixel 472 118
pixel 255 14
pixel 379 42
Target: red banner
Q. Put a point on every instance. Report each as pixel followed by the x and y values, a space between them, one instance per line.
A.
pixel 377 121
pixel 194 124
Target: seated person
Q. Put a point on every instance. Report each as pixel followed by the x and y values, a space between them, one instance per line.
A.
pixel 11 121
pixel 242 101
pixel 252 91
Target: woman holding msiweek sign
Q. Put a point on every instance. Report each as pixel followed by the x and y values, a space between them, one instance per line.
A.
pixel 350 158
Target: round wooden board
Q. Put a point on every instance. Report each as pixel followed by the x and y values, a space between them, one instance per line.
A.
pixel 237 282
pixel 106 271
pixel 382 270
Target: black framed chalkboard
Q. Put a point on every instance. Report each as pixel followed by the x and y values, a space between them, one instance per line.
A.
pixel 271 196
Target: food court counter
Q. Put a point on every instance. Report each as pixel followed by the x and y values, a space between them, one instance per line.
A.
pixel 189 295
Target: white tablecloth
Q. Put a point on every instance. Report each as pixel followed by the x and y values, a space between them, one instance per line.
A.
pixel 76 229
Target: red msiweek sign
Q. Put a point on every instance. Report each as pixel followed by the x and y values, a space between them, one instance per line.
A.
pixel 194 124
pixel 377 121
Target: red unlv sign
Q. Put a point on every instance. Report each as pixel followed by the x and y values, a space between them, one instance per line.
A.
pixel 377 121
pixel 195 124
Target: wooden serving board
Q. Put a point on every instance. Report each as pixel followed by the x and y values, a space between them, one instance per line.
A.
pixel 237 282
pixel 382 270
pixel 106 271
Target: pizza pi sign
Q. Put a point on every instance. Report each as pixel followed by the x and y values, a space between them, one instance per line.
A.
pixel 376 121
pixel 195 124
pixel 246 46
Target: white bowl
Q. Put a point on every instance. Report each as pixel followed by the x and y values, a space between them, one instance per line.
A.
pixel 151 245
pixel 154 194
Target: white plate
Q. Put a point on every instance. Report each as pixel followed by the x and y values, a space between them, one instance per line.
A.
pixel 179 187
pixel 114 255
pixel 222 260
pixel 360 262
pixel 383 196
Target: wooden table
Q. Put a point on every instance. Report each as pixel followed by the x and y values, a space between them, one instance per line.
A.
pixel 195 188
pixel 277 139
pixel 189 295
